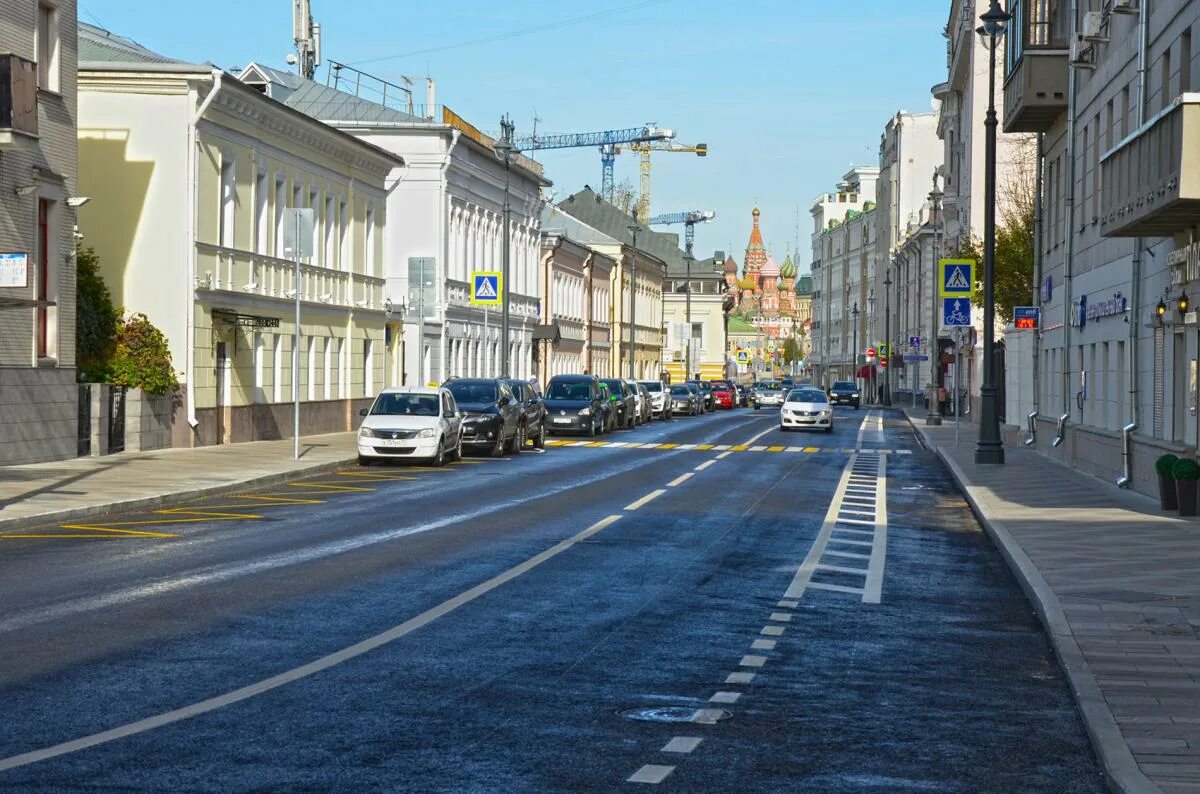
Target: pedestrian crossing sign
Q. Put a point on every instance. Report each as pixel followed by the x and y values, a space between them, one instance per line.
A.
pixel 486 288
pixel 743 357
pixel 957 278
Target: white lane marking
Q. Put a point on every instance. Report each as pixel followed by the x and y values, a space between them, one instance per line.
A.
pixel 874 586
pixel 848 555
pixel 756 438
pixel 704 465
pixel 772 631
pixel 841 569
pixel 904 452
pixel 650 773
pixel 680 480
pixel 752 661
pixel 720 447
pixel 805 573
pixel 305 670
pixel 645 499
pixel 837 588
pixel 725 697
pixel 763 645
pixel 724 455
pixel 845 512
pixel 707 716
pixel 739 678
pixel 862 428
pixel 787 604
pixel 782 617
pixel 682 744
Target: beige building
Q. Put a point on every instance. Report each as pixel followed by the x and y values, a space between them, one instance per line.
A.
pixel 39 399
pixel 190 172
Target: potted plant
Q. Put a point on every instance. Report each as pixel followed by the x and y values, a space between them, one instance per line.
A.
pixel 1186 471
pixel 1166 482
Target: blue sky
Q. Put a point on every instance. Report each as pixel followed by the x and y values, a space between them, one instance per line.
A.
pixel 786 93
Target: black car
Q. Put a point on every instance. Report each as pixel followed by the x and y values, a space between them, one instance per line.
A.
pixel 575 404
pixel 491 414
pixel 625 401
pixel 533 411
pixel 844 392
pixel 706 391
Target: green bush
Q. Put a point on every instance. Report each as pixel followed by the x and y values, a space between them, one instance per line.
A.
pixel 142 358
pixel 1164 464
pixel 96 318
pixel 1185 469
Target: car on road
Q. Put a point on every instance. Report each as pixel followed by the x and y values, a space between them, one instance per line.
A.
pixel 533 411
pixel 743 394
pixel 706 392
pixel 768 394
pixel 610 408
pixel 694 387
pixel 844 392
pixel 641 411
pixel 411 423
pixel 624 400
pixel 660 398
pixel 806 408
pixel 685 400
pixel 575 404
pixel 724 394
pixel 491 415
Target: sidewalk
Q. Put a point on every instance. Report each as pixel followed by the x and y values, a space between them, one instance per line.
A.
pixel 44 493
pixel 1116 582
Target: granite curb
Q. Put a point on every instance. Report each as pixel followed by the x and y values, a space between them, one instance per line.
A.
pixel 1120 768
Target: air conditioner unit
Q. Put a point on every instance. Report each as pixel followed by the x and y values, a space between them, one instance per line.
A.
pixel 1092 26
pixel 1081 52
pixel 1125 6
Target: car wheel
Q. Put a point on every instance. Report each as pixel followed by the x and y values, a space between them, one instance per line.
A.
pixel 518 440
pixel 439 457
pixel 539 441
pixel 497 450
pixel 756 407
pixel 458 448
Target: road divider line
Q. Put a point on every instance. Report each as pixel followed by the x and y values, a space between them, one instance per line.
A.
pixel 682 744
pixel 680 479
pixel 804 574
pixel 645 499
pixel 651 773
pixel 874 585
pixel 705 465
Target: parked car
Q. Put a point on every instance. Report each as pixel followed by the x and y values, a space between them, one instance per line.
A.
pixel 706 391
pixel 412 423
pixel 806 408
pixel 491 415
pixel 575 404
pixel 625 400
pixel 533 411
pixel 724 394
pixel 694 386
pixel 660 398
pixel 768 393
pixel 645 406
pixel 639 408
pixel 844 392
pixel 611 409
pixel 685 400
pixel 743 394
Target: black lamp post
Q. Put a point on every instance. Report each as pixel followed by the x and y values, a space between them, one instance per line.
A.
pixel 635 228
pixel 989 448
pixel 506 150
pixel 854 350
pixel 887 334
pixel 932 416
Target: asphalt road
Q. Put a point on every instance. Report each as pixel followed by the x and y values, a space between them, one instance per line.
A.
pixel 584 618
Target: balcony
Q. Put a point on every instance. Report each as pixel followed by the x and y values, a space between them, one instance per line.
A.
pixel 1035 65
pixel 246 273
pixel 1150 182
pixel 18 102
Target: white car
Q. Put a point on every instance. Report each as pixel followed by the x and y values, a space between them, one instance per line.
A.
pixel 421 423
pixel 806 407
pixel 660 402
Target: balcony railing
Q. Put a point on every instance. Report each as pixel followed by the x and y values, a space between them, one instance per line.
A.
pixel 1035 65
pixel 18 101
pixel 1150 182
pixel 247 273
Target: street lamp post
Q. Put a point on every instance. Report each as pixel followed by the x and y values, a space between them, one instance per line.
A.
pixel 633 227
pixel 871 320
pixel 506 150
pixel 932 416
pixel 990 449
pixel 854 350
pixel 887 334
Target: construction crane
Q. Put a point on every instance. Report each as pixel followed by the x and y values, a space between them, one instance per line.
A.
pixel 644 148
pixel 607 141
pixel 689 220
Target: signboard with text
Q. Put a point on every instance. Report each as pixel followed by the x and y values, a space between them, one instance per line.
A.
pixel 1026 317
pixel 14 270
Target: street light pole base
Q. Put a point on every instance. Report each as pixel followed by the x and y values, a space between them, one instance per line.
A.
pixel 988 453
pixel 989 449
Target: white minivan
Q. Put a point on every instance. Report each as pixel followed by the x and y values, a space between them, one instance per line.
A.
pixel 420 422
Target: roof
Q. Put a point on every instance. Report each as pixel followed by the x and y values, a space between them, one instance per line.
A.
pixel 804 285
pixel 731 265
pixel 789 268
pixel 756 241
pixel 321 101
pixel 97 45
pixel 771 268
pixel 555 219
pixel 587 206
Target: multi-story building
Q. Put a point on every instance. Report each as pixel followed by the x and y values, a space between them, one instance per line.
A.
pixel 575 330
pixel 695 306
pixel 190 173
pixel 39 400
pixel 1110 93
pixel 448 197
pixel 638 278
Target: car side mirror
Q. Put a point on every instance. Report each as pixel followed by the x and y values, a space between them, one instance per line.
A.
pixel 503 402
pixel 364 411
pixel 448 414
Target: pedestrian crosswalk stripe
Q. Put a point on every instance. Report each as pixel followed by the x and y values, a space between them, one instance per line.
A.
pixel 710 447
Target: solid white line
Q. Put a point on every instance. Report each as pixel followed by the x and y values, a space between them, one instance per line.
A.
pixel 305 670
pixel 682 744
pixel 874 586
pixel 704 465
pixel 650 773
pixel 804 574
pixel 680 480
pixel 645 499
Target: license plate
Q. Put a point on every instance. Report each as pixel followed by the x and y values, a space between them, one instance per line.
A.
pixel 563 421
pixel 393 442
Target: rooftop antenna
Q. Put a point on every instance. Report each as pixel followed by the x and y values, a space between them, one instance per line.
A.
pixel 307 36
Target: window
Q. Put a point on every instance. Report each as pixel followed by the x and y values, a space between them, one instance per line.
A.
pixel 228 200
pixel 368 369
pixel 47 47
pixel 1165 83
pixel 46 329
pixel 280 205
pixel 1185 62
pixel 259 394
pixel 261 213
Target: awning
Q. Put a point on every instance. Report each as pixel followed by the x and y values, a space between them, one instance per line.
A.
pixel 549 332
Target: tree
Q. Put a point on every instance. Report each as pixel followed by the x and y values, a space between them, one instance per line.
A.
pixel 95 318
pixel 625 196
pixel 791 351
pixel 142 358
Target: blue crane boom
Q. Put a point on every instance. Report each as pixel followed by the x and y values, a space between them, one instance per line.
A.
pixel 606 140
pixel 690 219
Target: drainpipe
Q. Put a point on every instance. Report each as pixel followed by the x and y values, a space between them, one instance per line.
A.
pixel 1072 83
pixel 1038 261
pixel 190 205
pixel 548 304
pixel 443 235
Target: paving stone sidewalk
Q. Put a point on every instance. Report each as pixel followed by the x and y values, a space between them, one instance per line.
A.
pixel 1116 581
pixel 42 493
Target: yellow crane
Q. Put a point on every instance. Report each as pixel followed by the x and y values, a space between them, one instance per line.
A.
pixel 644 148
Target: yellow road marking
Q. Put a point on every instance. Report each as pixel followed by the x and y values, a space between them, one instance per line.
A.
pixel 329 486
pixel 739 448
pixel 597 444
pixel 179 511
pixel 775 449
pixel 812 449
pixel 703 447
pixel 283 499
pixel 667 446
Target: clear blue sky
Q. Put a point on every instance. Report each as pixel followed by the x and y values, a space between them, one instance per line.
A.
pixel 786 93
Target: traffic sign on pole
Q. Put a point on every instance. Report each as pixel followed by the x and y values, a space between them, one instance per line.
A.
pixel 870 352
pixel 956 278
pixel 956 312
pixel 486 288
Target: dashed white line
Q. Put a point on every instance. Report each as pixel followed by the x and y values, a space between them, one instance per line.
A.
pixel 708 716
pixel 725 697
pixel 682 744
pixel 739 678
pixel 752 661
pixel 787 603
pixel 763 645
pixel 724 454
pixel 680 480
pixel 772 631
pixel 782 617
pixel 645 499
pixel 704 465
pixel 651 773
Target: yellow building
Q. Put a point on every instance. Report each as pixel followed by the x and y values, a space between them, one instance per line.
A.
pixel 190 172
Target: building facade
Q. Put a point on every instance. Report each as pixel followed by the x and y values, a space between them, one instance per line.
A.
pixel 695 303
pixel 39 399
pixel 158 136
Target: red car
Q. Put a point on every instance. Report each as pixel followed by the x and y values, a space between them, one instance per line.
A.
pixel 724 395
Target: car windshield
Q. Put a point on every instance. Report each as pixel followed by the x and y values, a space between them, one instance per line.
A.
pixel 681 391
pixel 844 385
pixel 806 396
pixel 652 385
pixel 614 386
pixel 467 392
pixel 565 390
pixel 721 385
pixel 768 386
pixel 405 405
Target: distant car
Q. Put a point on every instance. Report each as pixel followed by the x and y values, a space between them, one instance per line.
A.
pixel 491 415
pixel 575 404
pixel 641 413
pixel 645 404
pixel 412 423
pixel 768 394
pixel 743 394
pixel 706 391
pixel 625 400
pixel 694 386
pixel 724 394
pixel 844 392
pixel 660 398
pixel 533 411
pixel 806 408
pixel 685 400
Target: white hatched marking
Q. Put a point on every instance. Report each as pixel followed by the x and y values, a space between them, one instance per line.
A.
pixel 837 588
pixel 841 569
pixel 651 773
pixel 725 697
pixel 874 586
pixel 856 521
pixel 682 744
pixel 868 544
pixel 854 531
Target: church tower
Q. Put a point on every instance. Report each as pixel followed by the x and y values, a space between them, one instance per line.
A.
pixel 756 253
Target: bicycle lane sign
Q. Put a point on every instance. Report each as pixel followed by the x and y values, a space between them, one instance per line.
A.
pixel 956 312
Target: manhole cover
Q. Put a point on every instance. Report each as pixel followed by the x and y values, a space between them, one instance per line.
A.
pixel 675 714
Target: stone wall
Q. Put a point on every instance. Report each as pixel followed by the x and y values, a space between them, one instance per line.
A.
pixel 39 410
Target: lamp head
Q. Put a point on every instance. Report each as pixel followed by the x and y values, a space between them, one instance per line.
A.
pixel 995 22
pixel 1160 309
pixel 1182 304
